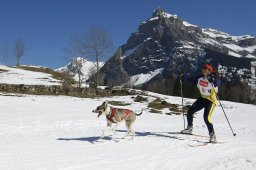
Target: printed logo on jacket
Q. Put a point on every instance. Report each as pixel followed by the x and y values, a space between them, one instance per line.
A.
pixel 203 83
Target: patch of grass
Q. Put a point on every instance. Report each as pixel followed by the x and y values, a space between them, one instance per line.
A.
pixel 141 99
pixel 54 74
pixel 118 103
pixel 155 111
pixel 1 70
pixel 159 104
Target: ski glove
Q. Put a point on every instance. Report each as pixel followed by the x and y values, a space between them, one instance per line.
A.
pixel 211 78
pixel 180 74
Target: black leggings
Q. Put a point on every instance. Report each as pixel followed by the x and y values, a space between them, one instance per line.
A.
pixel 199 104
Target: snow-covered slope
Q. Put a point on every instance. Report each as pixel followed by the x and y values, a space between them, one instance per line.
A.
pixel 65 136
pixel 12 75
pixel 233 43
pixel 88 67
pixel 140 79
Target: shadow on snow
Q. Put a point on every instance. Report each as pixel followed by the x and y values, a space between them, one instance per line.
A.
pixel 170 135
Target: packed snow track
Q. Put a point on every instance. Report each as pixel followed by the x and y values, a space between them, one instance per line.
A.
pixel 62 133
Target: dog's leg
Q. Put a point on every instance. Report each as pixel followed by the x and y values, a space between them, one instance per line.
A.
pixel 114 128
pixel 105 130
pixel 133 134
pixel 128 131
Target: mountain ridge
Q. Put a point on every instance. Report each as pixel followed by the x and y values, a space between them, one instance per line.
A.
pixel 87 68
pixel 166 42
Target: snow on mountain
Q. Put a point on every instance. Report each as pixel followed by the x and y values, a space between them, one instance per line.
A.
pixel 143 78
pixel 187 24
pixel 13 75
pixel 243 37
pixel 88 68
pixel 65 136
pixel 232 53
pixel 215 33
pixel 165 41
pixel 233 43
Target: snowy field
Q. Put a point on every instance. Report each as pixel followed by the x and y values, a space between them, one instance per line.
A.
pixel 10 75
pixel 61 133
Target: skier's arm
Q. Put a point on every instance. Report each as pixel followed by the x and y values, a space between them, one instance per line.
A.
pixel 191 80
pixel 215 82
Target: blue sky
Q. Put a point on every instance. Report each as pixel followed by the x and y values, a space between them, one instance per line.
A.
pixel 46 25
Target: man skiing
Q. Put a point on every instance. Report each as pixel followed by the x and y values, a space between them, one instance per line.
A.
pixel 207 84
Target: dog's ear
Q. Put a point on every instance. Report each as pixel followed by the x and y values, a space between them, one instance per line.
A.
pixel 105 104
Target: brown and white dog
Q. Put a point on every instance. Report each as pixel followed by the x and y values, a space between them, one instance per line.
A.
pixel 115 116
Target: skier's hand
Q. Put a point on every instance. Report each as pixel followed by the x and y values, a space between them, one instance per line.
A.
pixel 180 74
pixel 211 78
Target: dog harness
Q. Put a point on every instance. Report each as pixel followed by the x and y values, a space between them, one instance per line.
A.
pixel 113 111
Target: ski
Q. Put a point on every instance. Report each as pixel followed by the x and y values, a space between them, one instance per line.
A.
pixel 197 135
pixel 200 144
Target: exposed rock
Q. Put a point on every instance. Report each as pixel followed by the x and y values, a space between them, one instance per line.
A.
pixel 167 43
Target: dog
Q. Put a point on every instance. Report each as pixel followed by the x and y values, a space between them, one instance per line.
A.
pixel 115 116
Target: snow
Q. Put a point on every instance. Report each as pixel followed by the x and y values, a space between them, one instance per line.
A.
pixel 250 49
pixel 164 14
pixel 167 15
pixel 12 75
pixel 65 136
pixel 187 45
pixel 215 33
pixel 250 56
pixel 154 18
pixel 149 38
pixel 130 51
pixel 243 37
pixel 210 41
pixel 234 54
pixel 143 78
pixel 234 47
pixel 237 48
pixel 87 68
pixel 187 24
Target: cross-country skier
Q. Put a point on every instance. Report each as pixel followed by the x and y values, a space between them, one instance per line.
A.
pixel 207 84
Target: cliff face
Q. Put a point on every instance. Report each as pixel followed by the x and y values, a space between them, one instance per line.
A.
pixel 165 44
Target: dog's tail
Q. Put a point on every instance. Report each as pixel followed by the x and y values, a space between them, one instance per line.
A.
pixel 139 113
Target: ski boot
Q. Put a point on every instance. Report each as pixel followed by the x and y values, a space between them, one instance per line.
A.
pixel 213 138
pixel 188 130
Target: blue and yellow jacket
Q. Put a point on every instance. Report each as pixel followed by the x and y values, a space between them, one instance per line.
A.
pixel 207 90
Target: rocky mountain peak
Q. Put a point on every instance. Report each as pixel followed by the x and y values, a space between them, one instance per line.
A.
pixel 159 12
pixel 165 43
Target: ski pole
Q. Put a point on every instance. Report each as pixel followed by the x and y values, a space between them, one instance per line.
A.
pixel 234 134
pixel 181 93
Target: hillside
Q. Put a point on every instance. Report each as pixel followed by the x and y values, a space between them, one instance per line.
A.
pixel 49 132
pixel 28 75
